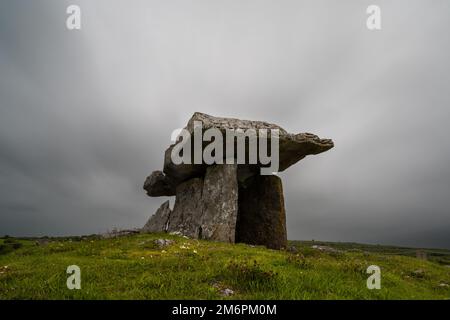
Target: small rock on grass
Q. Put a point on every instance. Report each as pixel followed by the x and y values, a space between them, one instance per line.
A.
pixel 163 242
pixel 223 291
pixel 226 292
pixel 326 249
pixel 293 249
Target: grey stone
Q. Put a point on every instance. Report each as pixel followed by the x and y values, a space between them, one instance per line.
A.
pixel 219 203
pixel 115 233
pixel 293 249
pixel 157 185
pixel 162 243
pixel 187 211
pixel 226 292
pixel 262 217
pixel 326 249
pixel 159 221
pixel 292 147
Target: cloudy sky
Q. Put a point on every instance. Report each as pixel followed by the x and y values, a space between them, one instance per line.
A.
pixel 86 115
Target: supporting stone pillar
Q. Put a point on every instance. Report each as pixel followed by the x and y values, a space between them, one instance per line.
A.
pixel 218 207
pixel 187 211
pixel 262 217
pixel 220 203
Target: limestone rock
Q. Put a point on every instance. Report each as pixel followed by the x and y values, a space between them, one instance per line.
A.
pixel 158 222
pixel 262 217
pixel 181 172
pixel 327 249
pixel 162 243
pixel 292 147
pixel 157 184
pixel 115 233
pixel 187 211
pixel 219 203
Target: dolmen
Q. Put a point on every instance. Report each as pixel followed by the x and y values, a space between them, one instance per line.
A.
pixel 224 181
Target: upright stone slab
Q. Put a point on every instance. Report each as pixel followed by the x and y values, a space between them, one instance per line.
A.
pixel 220 203
pixel 159 221
pixel 262 217
pixel 187 211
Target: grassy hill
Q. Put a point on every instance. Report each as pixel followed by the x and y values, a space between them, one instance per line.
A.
pixel 135 267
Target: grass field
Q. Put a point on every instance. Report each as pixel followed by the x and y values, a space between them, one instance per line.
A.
pixel 135 267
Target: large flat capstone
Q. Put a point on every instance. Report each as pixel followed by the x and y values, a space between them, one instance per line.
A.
pixel 292 148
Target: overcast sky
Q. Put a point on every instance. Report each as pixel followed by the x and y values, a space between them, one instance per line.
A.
pixel 86 115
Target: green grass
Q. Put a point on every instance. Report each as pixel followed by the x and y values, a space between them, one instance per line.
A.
pixel 133 267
